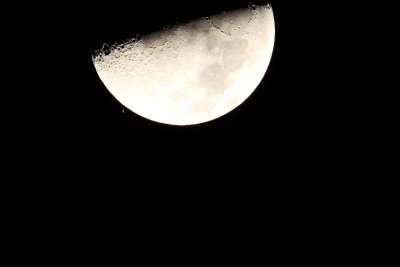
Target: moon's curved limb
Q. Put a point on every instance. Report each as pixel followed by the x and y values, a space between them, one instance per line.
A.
pixel 194 72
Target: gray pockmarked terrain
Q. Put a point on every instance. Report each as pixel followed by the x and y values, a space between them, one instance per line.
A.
pixel 193 72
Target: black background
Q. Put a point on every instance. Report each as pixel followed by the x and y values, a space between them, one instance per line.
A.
pixel 279 157
pixel 271 133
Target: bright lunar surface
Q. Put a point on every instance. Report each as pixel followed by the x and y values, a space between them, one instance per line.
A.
pixel 193 72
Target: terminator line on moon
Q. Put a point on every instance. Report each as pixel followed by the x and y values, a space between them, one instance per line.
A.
pixel 194 72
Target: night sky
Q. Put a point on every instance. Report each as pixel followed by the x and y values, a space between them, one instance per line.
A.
pixel 264 135
pixel 284 156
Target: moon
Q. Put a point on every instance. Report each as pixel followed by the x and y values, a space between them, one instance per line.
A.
pixel 193 72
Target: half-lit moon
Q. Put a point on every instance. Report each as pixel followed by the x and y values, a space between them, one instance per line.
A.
pixel 193 72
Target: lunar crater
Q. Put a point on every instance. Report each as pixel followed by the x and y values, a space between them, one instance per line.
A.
pixel 192 72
